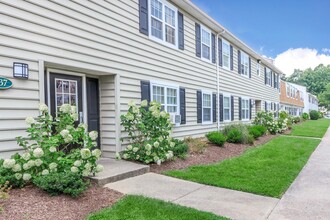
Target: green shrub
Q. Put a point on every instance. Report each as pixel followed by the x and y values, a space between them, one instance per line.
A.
pixel 180 149
pixel 320 114
pixel 235 136
pixel 296 119
pixel 251 139
pixel 267 119
pixel 284 114
pixel 240 129
pixel 314 115
pixel 257 130
pixel 216 138
pixel 61 183
pixel 305 116
pixel 4 193
pixel 195 145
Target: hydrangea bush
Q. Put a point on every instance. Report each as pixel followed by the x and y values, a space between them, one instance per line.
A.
pixel 148 130
pixel 53 146
pixel 273 125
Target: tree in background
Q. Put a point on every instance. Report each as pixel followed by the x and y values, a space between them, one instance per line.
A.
pixel 324 97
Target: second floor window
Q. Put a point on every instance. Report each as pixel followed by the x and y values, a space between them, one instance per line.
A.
pixel 244 64
pixel 225 54
pixel 206 44
pixel 287 90
pixel 268 77
pixel 275 81
pixel 163 20
pixel 258 69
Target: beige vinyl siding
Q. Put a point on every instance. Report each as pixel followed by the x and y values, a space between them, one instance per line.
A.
pixel 18 102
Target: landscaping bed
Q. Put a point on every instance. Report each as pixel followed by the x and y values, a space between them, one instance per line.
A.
pixel 212 154
pixel 33 203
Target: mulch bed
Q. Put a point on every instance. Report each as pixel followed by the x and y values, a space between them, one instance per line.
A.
pixel 33 203
pixel 212 154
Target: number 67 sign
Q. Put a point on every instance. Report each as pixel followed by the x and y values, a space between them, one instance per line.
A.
pixel 5 83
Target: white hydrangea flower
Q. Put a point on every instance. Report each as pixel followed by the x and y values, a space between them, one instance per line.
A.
pixel 125 156
pixel 38 162
pixel 97 153
pixel 118 157
pixel 18 176
pixel 135 149
pixel 148 147
pixel 135 110
pixel 65 108
pixel 44 133
pixel 94 143
pixel 26 156
pixel 144 103
pixel 129 116
pixel 26 166
pixel 156 114
pixel 137 157
pixel 53 166
pixel 172 144
pixel 159 162
pixel 156 144
pixel 31 163
pixel 30 120
pixel 43 107
pixel 77 163
pixel 152 108
pixel 8 163
pixel 38 152
pixel 129 147
pixel 64 133
pixel 68 138
pixel 86 172
pixel 52 149
pixel 99 168
pixel 17 168
pixel 160 138
pixel 45 172
pixel 73 109
pixel 85 153
pixel 163 114
pixel 26 176
pixel 74 116
pixel 88 166
pixel 74 169
pixel 148 153
pixel 156 158
pixel 131 103
pixel 93 135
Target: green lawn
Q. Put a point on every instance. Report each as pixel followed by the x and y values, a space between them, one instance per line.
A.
pixel 266 170
pixel 141 208
pixel 311 128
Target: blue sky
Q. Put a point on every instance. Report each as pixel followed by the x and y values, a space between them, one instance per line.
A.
pixel 273 27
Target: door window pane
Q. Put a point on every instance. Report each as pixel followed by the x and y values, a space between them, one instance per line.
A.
pixel 65 93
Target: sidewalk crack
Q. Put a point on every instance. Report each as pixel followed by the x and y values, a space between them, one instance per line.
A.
pixel 203 186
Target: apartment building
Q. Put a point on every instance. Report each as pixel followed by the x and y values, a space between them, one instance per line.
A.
pixel 292 98
pixel 99 55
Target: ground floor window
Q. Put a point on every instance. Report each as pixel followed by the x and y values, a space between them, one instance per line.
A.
pixel 226 108
pixel 245 109
pixel 207 107
pixel 167 95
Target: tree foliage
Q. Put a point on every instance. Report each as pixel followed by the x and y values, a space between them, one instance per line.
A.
pixel 324 97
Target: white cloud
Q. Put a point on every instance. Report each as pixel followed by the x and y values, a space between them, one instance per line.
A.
pixel 325 50
pixel 300 58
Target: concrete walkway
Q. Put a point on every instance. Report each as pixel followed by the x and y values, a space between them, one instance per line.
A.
pixel 309 195
pixel 224 202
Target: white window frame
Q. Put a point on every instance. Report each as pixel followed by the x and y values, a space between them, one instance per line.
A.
pixel 245 63
pixel 211 107
pixel 275 81
pixel 224 42
pixel 223 101
pixel 166 86
pixel 246 109
pixel 269 106
pixel 210 38
pixel 287 90
pixel 268 78
pixel 163 41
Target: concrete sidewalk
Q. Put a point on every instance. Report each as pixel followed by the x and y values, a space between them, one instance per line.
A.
pixel 309 195
pixel 224 202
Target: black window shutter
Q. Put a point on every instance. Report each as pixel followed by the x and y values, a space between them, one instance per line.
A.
pixel 198 39
pixel 213 47
pixel 231 58
pixel 250 71
pixel 232 108
pixel 145 90
pixel 266 106
pixel 274 79
pixel 278 81
pixel 271 106
pixel 183 105
pixel 220 51
pixel 239 61
pixel 181 31
pixel 250 102
pixel 199 106
pixel 271 78
pixel 221 107
pixel 143 16
pixel 214 107
pixel 240 108
pixel 265 73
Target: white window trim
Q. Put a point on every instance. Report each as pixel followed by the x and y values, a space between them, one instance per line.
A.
pixel 248 66
pixel 248 99
pixel 210 32
pixel 222 55
pixel 166 85
pixel 270 79
pixel 258 69
pixel 208 93
pixel 176 46
pixel 223 99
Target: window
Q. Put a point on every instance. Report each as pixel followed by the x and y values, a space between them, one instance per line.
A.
pixel 258 69
pixel 225 54
pixel 163 20
pixel 226 108
pixel 206 44
pixel 301 96
pixel 66 92
pixel 167 96
pixel 275 81
pixel 287 90
pixel 269 106
pixel 245 109
pixel 207 107
pixel 244 64
pixel 268 77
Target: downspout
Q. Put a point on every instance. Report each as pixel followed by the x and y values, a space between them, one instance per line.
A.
pixel 218 77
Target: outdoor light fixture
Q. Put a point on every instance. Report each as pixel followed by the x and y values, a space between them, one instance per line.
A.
pixel 259 61
pixel 21 70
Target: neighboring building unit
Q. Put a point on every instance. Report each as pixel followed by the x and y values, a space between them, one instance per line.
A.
pixel 292 99
pixel 313 102
pixel 99 55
